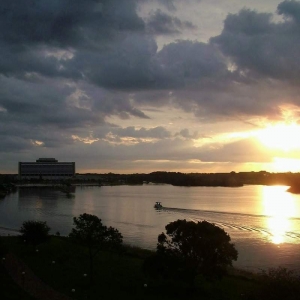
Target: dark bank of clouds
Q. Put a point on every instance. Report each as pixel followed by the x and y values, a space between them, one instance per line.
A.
pixel 65 66
pixel 106 40
pixel 66 23
pixel 260 47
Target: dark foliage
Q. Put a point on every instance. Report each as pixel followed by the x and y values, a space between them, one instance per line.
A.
pixel 280 283
pixel 2 248
pixel 34 232
pixel 90 232
pixel 188 249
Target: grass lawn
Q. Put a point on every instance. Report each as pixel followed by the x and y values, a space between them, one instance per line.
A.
pixel 9 290
pixel 117 276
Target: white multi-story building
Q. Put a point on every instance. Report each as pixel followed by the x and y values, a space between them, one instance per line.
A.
pixel 46 168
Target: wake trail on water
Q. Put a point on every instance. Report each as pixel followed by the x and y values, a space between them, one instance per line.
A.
pixel 186 210
pixel 210 216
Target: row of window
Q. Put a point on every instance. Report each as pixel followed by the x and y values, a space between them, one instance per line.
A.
pixel 47 174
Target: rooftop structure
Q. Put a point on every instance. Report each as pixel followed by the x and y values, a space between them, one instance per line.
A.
pixel 46 168
pixel 46 160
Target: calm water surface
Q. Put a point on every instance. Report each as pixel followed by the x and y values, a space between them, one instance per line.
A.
pixel 263 221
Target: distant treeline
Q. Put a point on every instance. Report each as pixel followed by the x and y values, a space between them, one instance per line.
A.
pixel 232 179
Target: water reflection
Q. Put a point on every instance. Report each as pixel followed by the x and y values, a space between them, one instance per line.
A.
pixel 280 206
pixel 42 201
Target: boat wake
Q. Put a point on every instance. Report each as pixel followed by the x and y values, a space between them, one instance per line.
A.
pixel 235 222
pixel 216 212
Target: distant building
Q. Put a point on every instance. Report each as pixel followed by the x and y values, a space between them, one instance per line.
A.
pixel 46 168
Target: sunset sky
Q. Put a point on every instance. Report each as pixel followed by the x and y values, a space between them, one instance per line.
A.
pixel 132 86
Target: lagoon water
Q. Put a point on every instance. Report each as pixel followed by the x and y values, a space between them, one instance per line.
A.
pixel 263 221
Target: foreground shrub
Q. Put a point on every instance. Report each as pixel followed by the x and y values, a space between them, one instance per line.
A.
pixel 34 232
pixel 280 283
pixel 189 249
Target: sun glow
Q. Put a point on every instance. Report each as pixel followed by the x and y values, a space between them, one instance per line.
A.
pixel 285 164
pixel 279 206
pixel 280 136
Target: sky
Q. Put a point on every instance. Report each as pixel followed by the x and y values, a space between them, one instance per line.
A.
pixel 135 86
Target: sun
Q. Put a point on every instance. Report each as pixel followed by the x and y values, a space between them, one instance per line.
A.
pixel 280 136
pixel 281 164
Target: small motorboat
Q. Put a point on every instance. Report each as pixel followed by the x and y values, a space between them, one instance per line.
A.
pixel 157 205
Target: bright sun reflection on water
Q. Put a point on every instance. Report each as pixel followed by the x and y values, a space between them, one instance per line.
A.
pixel 279 205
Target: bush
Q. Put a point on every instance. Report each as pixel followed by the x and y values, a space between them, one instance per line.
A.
pixel 34 232
pixel 189 249
pixel 280 283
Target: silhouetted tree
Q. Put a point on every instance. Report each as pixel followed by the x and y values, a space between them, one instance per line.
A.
pixel 34 232
pixel 188 249
pixel 90 232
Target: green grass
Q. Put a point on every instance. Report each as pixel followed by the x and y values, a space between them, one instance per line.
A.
pixel 117 276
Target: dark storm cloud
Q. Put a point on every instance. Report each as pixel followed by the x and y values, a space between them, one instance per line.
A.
pixel 185 60
pixel 161 23
pixel 127 65
pixel 66 66
pixel 66 23
pixel 35 103
pixel 121 61
pixel 18 61
pixel 131 62
pixel 134 64
pixel 28 31
pixel 14 144
pixel 50 113
pixel 59 104
pixel 290 9
pixel 232 100
pixel 260 47
pixel 108 103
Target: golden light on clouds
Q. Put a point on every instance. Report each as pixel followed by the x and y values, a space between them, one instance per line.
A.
pixel 285 164
pixel 280 136
pixel 37 143
pixel 85 140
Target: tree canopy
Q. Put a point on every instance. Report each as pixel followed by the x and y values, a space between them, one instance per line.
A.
pixel 90 232
pixel 34 232
pixel 190 248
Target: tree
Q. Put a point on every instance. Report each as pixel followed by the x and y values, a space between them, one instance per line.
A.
pixel 34 232
pixel 90 232
pixel 188 249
